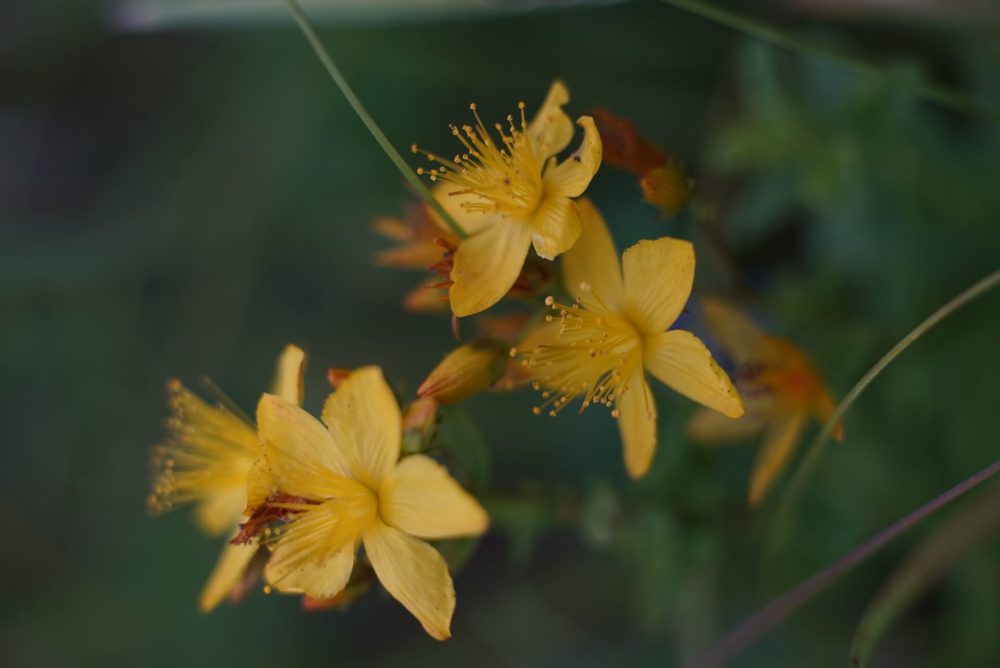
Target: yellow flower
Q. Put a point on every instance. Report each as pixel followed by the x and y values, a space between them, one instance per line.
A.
pixel 512 195
pixel 205 461
pixel 464 372
pixel 345 485
pixel 786 391
pixel 600 347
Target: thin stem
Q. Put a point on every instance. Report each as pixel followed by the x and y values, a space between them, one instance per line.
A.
pixel 359 109
pixel 933 92
pixel 763 621
pixel 784 517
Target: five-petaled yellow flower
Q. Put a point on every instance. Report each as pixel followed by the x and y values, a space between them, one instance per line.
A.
pixel 511 195
pixel 783 391
pixel 599 347
pixel 205 460
pixel 344 485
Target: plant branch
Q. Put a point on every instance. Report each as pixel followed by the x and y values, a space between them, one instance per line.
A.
pixel 338 78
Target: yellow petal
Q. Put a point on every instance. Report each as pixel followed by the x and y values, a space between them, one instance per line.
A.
pixel 782 436
pixel 735 332
pixel 486 266
pixel 571 177
pixel 314 556
pixel 422 499
pixel 226 575
pixel 218 511
pixel 556 226
pixel 658 277
pixel 592 262
pixel 551 130
pixel 681 361
pixel 301 456
pixel 710 426
pixel 288 375
pixel 260 485
pixel 454 202
pixel 365 410
pixel 637 426
pixel 415 574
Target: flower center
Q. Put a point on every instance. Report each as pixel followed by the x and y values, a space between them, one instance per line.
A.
pixel 504 179
pixel 595 356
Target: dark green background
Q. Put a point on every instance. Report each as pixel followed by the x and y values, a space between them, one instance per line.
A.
pixel 185 202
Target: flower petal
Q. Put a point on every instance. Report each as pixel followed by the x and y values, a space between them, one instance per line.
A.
pixel 365 410
pixel 217 511
pixel 288 375
pixel 571 177
pixel 226 575
pixel 681 361
pixel 593 262
pixel 637 425
pixel 551 130
pixel 712 427
pixel 658 278
pixel 486 266
pixel 301 457
pixel 454 202
pixel 556 226
pixel 415 574
pixel 782 435
pixel 736 333
pixel 314 556
pixel 422 499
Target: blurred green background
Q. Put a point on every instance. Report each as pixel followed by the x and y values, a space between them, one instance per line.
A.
pixel 185 200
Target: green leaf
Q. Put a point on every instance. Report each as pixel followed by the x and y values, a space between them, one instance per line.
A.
pixel 461 438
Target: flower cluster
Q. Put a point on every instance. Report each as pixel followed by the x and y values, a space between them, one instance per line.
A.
pixel 323 508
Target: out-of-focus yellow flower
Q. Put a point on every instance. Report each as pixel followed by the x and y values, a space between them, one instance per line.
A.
pixel 785 388
pixel 343 484
pixel 599 347
pixel 465 371
pixel 512 195
pixel 205 460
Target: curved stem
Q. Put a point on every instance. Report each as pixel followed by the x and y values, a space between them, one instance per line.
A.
pixel 770 616
pixel 933 92
pixel 784 517
pixel 338 78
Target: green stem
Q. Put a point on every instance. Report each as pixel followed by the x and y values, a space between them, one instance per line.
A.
pixel 359 109
pixel 933 92
pixel 784 518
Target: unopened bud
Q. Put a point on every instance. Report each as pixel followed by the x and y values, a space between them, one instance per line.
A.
pixel 465 371
pixel 667 188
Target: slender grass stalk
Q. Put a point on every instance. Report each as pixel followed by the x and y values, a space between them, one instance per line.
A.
pixel 770 616
pixel 964 530
pixel 785 517
pixel 345 88
pixel 930 91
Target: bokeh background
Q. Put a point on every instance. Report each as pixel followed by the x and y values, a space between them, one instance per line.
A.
pixel 184 192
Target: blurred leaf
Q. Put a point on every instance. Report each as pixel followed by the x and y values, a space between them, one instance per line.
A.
pixel 465 442
pixel 523 518
pixel 965 529
pixel 167 14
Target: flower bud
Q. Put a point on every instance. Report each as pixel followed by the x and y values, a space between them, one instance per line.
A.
pixel 667 188
pixel 465 371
